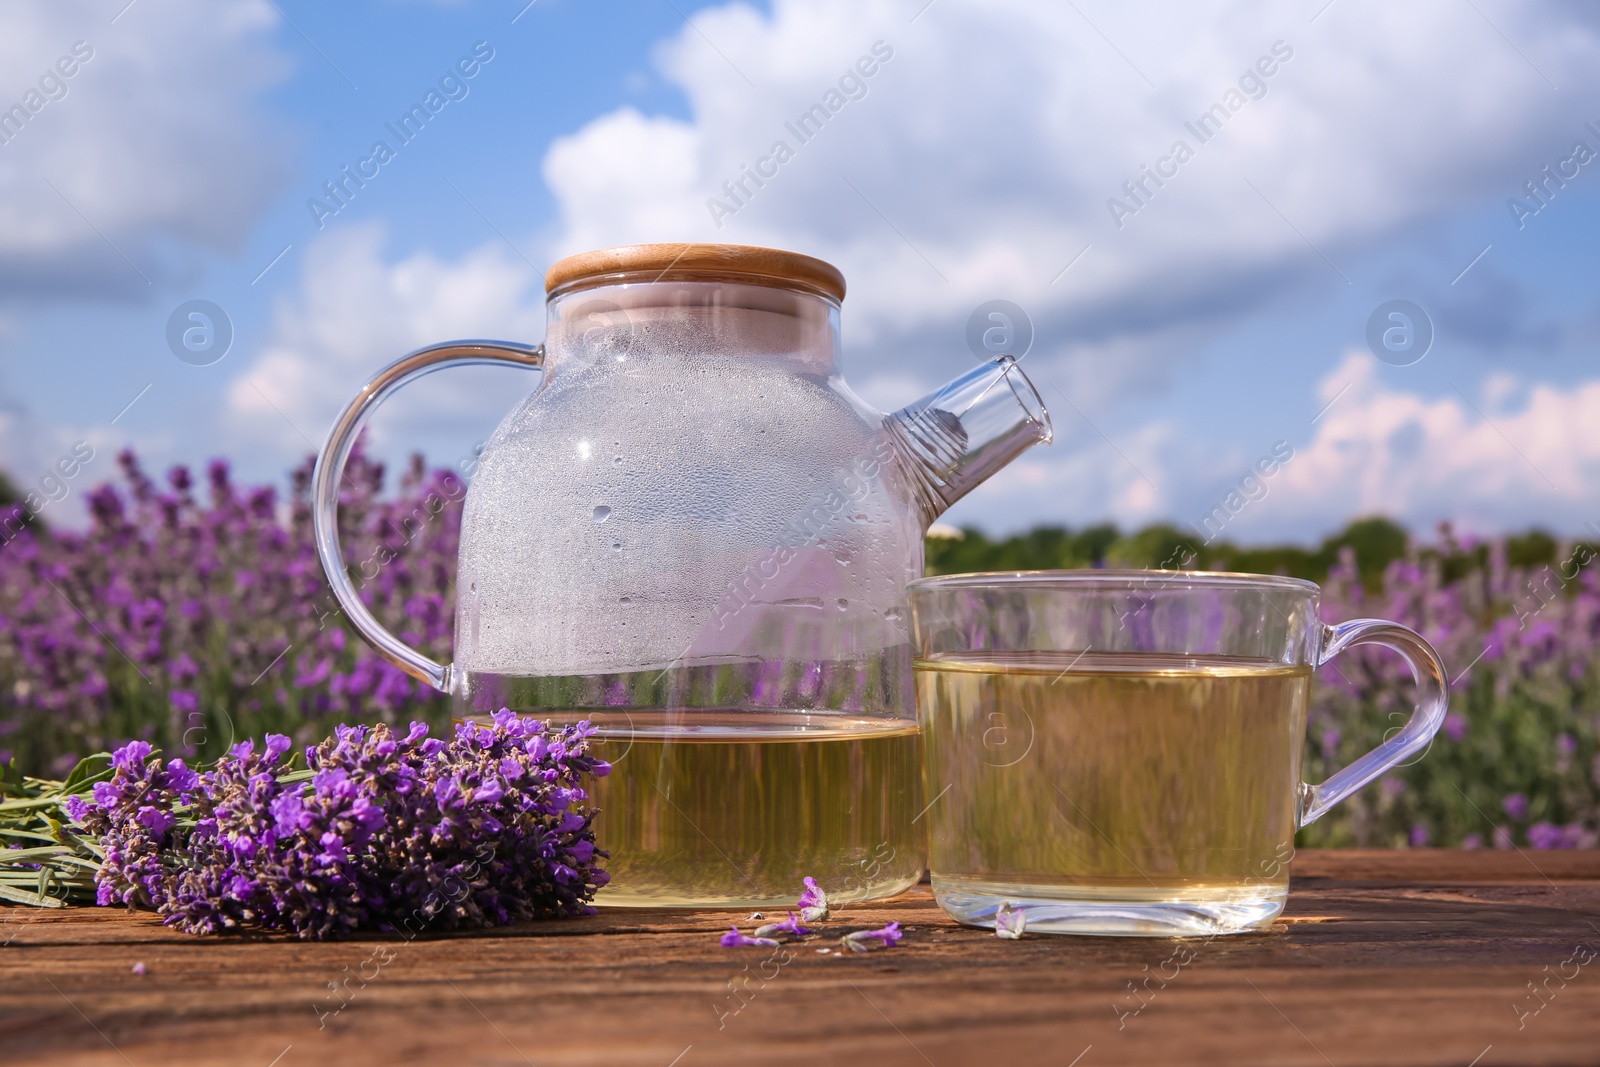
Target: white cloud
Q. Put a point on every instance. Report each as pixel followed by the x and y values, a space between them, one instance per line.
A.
pixel 154 143
pixel 356 313
pixel 1383 450
pixel 1511 454
pixel 986 149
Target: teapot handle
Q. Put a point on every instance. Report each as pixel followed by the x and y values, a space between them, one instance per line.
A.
pixel 330 470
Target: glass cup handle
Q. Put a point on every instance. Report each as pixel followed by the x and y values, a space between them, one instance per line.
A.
pixel 1432 699
pixel 330 470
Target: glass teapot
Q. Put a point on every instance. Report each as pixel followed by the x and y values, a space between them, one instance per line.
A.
pixel 695 535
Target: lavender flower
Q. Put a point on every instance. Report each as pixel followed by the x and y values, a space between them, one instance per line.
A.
pixel 1547 835
pixel 789 926
pixel 734 939
pixel 886 936
pixel 813 902
pixel 380 831
pixel 1515 805
pixel 1009 921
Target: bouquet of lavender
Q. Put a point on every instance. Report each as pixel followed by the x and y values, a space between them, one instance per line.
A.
pixel 377 831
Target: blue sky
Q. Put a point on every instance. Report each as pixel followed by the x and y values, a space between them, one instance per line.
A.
pixel 1178 340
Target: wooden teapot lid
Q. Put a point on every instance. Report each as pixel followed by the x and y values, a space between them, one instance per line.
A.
pixel 696 262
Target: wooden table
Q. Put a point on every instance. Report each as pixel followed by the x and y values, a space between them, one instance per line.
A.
pixel 1421 957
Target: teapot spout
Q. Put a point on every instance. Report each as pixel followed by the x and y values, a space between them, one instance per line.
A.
pixel 960 434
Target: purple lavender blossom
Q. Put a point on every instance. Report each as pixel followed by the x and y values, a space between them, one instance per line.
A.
pixel 789 926
pixel 887 936
pixel 1009 921
pixel 1544 835
pixel 1547 835
pixel 1456 726
pixel 382 833
pixel 813 902
pixel 734 939
pixel 1515 805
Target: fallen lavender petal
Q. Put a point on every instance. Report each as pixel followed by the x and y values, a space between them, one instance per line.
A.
pixel 734 939
pixel 813 902
pixel 788 926
pixel 886 936
pixel 1009 921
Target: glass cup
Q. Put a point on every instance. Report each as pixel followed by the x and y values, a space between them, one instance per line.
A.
pixel 1118 752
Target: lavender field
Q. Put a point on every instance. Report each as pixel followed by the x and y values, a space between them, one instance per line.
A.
pixel 192 615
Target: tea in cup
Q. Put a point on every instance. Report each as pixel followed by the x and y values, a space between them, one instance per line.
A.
pixel 1119 752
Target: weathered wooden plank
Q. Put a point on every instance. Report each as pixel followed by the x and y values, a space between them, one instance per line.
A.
pixel 1447 865
pixel 1405 958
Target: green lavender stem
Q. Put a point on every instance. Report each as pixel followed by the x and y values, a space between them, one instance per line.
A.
pixel 44 862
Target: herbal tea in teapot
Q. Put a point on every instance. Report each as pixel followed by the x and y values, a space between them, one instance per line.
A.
pixel 695 535
pixel 840 804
